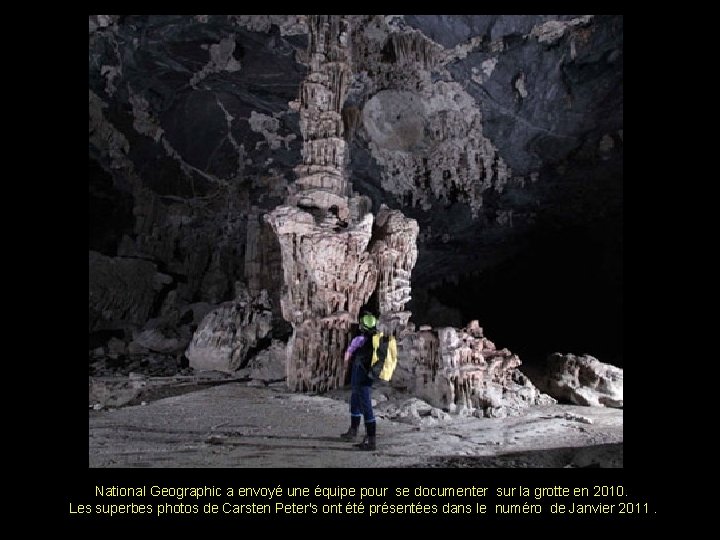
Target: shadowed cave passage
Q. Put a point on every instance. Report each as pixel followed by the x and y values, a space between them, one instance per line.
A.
pixel 561 292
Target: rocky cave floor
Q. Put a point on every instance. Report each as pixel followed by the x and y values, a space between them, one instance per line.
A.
pixel 183 418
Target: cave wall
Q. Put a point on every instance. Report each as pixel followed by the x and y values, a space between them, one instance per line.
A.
pixel 490 131
pixel 192 137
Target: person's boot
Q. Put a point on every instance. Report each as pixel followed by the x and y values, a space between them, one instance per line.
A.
pixel 368 443
pixel 369 440
pixel 352 431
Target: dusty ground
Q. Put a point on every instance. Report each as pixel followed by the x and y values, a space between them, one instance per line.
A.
pixel 206 422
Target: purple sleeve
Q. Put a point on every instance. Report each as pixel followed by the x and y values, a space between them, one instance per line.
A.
pixel 355 344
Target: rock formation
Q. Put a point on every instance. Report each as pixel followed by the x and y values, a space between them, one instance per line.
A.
pixel 270 365
pixel 426 134
pixel 395 253
pixel 329 267
pixel 227 334
pixel 473 131
pixel 327 271
pixel 122 291
pixel 461 371
pixel 583 380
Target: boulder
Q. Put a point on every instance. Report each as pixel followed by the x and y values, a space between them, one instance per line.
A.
pixel 583 380
pixel 226 334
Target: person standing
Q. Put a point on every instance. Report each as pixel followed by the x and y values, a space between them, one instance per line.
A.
pixel 358 358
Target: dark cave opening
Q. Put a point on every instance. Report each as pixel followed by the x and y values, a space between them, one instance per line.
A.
pixel 562 293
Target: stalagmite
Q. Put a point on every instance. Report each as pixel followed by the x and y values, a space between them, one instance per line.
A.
pixel 324 233
pixel 459 370
pixel 335 255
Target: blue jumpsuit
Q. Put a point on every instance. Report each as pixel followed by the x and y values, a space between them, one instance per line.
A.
pixel 360 398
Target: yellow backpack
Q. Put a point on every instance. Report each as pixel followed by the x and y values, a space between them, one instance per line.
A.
pixel 384 357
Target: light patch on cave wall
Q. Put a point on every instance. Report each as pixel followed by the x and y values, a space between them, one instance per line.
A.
pixel 551 31
pixel 268 127
pixel 481 75
pixel 221 59
pixel 289 25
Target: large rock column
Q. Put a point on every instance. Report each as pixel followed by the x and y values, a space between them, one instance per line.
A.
pixel 328 277
pixel 323 232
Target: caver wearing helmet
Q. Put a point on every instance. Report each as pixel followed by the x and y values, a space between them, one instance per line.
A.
pixel 368 322
pixel 360 352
